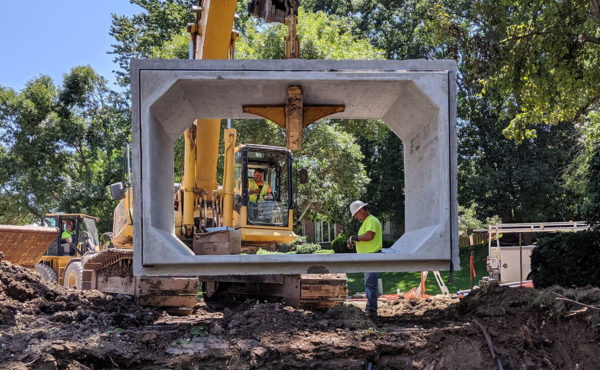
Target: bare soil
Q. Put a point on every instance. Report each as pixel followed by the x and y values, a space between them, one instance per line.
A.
pixel 45 326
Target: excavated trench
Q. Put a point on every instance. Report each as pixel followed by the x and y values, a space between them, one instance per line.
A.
pixel 45 326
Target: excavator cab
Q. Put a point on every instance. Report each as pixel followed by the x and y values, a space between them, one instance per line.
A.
pixel 263 210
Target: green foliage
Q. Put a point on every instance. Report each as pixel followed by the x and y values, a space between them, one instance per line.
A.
pixel 518 182
pixel 568 259
pixel 61 147
pixel 339 244
pixel 198 331
pixel 307 248
pixel 396 27
pixel 321 37
pixel 467 221
pixel 145 33
pixel 336 175
pixel 592 208
pixel 384 164
pixel 541 58
pixel 300 245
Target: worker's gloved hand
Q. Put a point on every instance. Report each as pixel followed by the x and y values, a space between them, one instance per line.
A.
pixel 354 238
pixel 350 244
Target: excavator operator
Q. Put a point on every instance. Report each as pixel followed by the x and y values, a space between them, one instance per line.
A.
pixel 257 188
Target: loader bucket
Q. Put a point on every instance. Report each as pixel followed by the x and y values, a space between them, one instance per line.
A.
pixel 25 245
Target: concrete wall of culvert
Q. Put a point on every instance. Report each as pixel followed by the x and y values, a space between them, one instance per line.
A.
pixel 415 98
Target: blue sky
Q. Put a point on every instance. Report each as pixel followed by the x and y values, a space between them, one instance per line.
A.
pixel 50 37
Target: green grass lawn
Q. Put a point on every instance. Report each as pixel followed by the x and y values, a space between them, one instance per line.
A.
pixel 407 280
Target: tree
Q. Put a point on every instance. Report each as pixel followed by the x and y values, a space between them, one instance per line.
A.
pixel 97 123
pixel 31 155
pixel 139 36
pixel 393 26
pixel 541 59
pixel 61 147
pixel 519 182
pixel 592 208
pixel 336 174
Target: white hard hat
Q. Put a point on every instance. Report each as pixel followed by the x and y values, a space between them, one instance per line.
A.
pixel 356 206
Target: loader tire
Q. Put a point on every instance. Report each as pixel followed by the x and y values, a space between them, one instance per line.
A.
pixel 73 275
pixel 46 272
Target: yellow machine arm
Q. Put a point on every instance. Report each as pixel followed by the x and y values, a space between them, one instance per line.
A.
pixel 212 38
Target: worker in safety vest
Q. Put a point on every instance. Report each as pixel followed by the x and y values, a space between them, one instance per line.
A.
pixel 66 237
pixel 368 240
pixel 257 188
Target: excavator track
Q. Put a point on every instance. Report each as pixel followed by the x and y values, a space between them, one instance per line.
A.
pixel 308 291
pixel 111 271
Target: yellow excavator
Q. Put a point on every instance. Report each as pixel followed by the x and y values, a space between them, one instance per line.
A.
pixel 234 213
pixel 261 219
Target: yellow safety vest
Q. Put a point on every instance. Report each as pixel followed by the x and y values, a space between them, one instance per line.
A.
pixel 264 191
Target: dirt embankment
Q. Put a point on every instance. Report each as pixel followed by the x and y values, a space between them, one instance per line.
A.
pixel 45 326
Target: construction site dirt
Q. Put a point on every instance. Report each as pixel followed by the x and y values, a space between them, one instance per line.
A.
pixel 45 326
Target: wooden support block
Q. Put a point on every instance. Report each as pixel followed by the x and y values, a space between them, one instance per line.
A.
pixel 162 284
pixel 322 291
pixel 87 275
pixel 294 118
pixel 92 266
pixel 167 301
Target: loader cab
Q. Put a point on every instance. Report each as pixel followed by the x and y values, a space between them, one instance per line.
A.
pixel 271 208
pixel 84 238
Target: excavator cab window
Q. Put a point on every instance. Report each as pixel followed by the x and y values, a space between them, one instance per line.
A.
pixel 267 203
pixel 52 221
pixel 88 234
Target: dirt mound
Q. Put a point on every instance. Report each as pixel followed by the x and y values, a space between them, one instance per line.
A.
pixel 46 326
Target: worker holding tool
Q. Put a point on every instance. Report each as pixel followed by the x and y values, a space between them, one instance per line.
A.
pixel 368 240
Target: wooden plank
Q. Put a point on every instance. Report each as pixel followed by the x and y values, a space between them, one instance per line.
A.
pixel 323 278
pixel 162 284
pixel 274 113
pixel 294 118
pixel 313 113
pixel 92 266
pixel 167 301
pixel 117 285
pixel 323 292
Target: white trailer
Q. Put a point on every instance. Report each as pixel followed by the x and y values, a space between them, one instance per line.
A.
pixel 507 264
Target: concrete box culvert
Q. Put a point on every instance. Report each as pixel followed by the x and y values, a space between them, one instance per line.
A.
pixel 415 98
